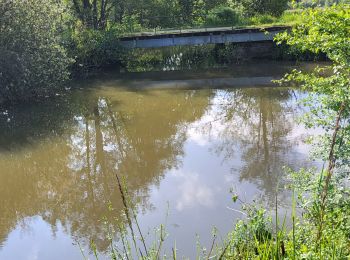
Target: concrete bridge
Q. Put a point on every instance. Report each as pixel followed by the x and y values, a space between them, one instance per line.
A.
pixel 201 36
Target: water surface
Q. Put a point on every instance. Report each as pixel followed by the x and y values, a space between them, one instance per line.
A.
pixel 180 140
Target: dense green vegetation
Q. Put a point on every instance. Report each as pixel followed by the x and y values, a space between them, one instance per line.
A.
pixel 322 231
pixel 320 219
pixel 43 42
pixel 33 61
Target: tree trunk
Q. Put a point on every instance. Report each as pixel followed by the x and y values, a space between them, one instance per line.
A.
pixel 95 14
pixel 102 21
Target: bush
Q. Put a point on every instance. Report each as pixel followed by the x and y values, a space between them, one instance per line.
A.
pixel 32 60
pixel 272 7
pixel 93 49
pixel 313 3
pixel 288 17
pixel 291 16
pixel 263 19
pixel 222 16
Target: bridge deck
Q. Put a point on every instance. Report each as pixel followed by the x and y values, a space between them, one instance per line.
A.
pixel 200 36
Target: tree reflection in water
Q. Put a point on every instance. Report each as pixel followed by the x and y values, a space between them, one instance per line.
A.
pixel 71 178
pixel 59 159
pixel 256 125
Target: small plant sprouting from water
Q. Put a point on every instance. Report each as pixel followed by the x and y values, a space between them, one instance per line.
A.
pixel 259 235
pixel 131 243
pixel 322 231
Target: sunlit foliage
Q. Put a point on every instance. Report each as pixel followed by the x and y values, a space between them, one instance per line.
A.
pixel 32 59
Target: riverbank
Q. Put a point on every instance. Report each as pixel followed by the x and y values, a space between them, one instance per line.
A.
pixel 91 171
pixel 33 67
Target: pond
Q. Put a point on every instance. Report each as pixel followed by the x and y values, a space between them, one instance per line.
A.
pixel 180 141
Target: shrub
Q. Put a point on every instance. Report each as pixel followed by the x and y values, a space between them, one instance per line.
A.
pixel 272 7
pixel 263 19
pixel 94 49
pixel 313 3
pixel 291 16
pixel 130 24
pixel 32 60
pixel 222 16
pixel 288 17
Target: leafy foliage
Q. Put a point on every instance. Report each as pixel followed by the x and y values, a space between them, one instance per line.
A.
pixel 336 230
pixel 92 49
pixel 325 31
pixel 222 16
pixel 272 7
pixel 32 59
pixel 324 229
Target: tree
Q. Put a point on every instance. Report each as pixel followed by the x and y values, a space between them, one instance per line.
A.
pixel 210 4
pixel 32 59
pixel 327 31
pixel 272 7
pixel 324 31
pixel 93 14
pixel 222 16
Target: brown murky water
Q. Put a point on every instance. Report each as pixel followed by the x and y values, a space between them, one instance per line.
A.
pixel 180 140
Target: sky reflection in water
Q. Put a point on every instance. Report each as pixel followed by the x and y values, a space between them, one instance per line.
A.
pixel 183 148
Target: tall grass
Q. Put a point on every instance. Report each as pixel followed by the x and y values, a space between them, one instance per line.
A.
pixel 258 235
pixel 289 17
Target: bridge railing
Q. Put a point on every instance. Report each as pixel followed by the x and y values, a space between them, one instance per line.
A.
pixel 181 26
pixel 182 29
